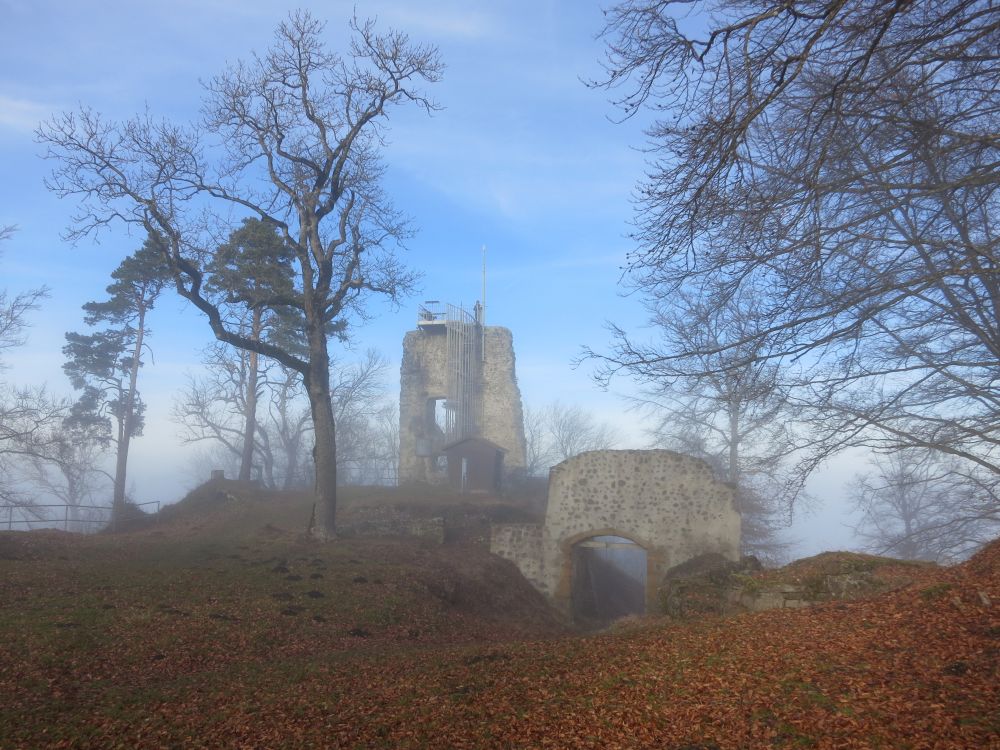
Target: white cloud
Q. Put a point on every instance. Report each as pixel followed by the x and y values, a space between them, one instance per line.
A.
pixel 21 115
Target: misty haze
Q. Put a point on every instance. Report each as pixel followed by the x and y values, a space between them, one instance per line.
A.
pixel 542 375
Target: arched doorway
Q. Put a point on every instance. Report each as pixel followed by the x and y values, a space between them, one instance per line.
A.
pixel 609 580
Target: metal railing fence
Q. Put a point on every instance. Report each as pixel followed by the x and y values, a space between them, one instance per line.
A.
pixel 30 516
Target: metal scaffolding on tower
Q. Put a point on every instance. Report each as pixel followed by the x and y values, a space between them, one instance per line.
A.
pixel 463 408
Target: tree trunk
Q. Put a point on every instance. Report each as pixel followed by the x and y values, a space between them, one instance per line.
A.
pixel 73 497
pixel 121 462
pixel 267 467
pixel 734 461
pixel 325 461
pixel 121 459
pixel 734 445
pixel 290 438
pixel 291 467
pixel 250 401
pixel 317 384
pixel 127 424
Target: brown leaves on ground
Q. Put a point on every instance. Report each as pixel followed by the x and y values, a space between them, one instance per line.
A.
pixel 126 644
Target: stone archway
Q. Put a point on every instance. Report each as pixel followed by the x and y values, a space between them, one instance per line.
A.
pixel 668 504
pixel 608 579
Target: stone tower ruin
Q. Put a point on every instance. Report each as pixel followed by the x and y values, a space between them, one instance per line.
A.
pixel 457 386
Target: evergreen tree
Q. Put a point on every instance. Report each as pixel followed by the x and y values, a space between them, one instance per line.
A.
pixel 252 272
pixel 105 365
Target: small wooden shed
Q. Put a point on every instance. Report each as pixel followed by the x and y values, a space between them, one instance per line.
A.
pixel 475 465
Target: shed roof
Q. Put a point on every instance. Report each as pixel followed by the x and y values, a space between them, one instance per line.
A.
pixel 481 441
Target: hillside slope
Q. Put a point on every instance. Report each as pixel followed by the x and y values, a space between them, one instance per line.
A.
pixel 226 628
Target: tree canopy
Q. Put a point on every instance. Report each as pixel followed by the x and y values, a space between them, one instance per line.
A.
pixel 841 161
pixel 290 137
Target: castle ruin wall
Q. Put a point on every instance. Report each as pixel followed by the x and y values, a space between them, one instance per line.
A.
pixel 424 378
pixel 670 504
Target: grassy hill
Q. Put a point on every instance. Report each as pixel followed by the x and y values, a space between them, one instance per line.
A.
pixel 223 626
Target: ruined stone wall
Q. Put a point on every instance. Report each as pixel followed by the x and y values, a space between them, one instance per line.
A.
pixel 668 503
pixel 523 543
pixel 424 375
pixel 503 417
pixel 671 500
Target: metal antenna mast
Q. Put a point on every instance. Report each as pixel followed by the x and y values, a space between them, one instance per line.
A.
pixel 482 321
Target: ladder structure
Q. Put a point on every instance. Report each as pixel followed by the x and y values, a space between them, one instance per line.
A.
pixel 464 405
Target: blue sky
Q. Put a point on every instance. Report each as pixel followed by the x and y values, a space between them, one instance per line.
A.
pixel 523 159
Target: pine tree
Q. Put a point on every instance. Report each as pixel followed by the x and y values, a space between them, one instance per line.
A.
pixel 105 365
pixel 250 272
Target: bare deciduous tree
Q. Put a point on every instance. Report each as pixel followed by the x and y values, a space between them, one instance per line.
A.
pixel 537 457
pixel 572 431
pixel 14 309
pixel 841 161
pixel 560 431
pixel 27 415
pixel 918 504
pixel 724 403
pixel 29 418
pixel 288 428
pixel 292 138
pixel 385 443
pixel 67 469
pixel 212 409
pixel 357 389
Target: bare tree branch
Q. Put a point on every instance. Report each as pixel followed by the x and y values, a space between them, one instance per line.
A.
pixel 840 161
pixel 290 137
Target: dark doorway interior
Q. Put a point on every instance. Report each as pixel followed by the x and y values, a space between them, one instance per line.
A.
pixel 475 465
pixel 609 580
